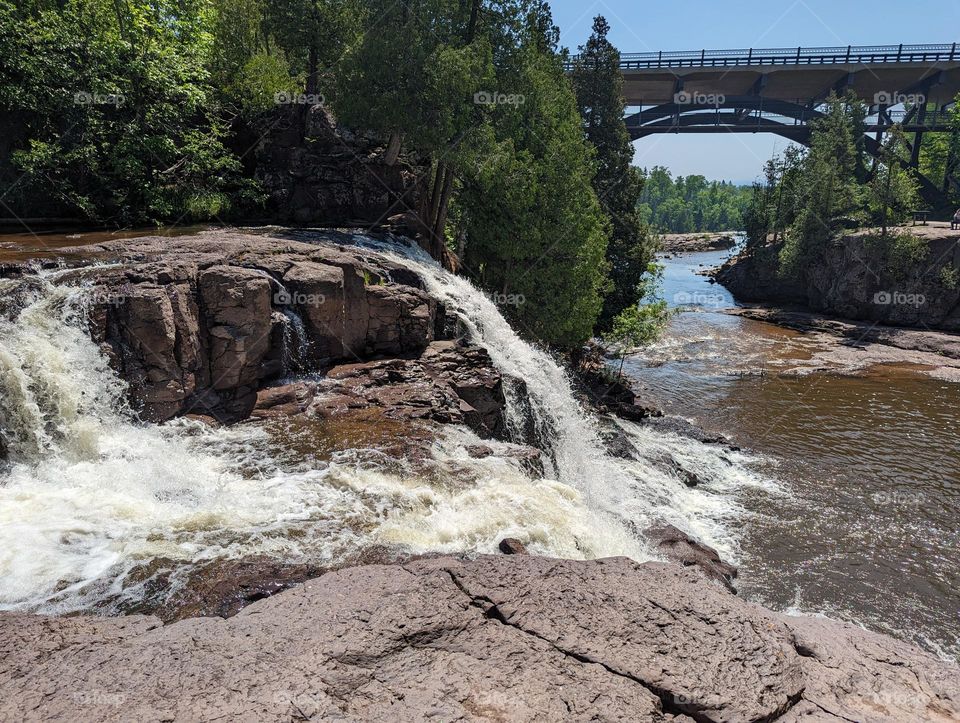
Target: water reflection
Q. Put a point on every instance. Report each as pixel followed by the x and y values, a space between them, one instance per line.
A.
pixel 869 529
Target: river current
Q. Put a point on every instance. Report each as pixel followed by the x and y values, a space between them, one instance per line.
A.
pixel 863 526
pixel 822 511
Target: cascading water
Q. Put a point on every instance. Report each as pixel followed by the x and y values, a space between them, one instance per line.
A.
pixel 89 496
pixel 630 493
pixel 296 340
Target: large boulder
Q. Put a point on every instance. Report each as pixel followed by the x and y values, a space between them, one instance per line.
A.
pixel 495 638
pixel 200 324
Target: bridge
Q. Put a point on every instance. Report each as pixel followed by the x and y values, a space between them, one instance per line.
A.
pixel 781 90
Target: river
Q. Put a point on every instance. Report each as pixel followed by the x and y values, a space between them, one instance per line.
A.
pixel 843 501
pixel 863 525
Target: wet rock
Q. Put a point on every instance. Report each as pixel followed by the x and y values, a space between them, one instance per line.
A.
pixel 284 400
pixel 514 637
pixel 512 546
pixel 677 546
pixel 606 391
pixel 448 383
pixel 199 324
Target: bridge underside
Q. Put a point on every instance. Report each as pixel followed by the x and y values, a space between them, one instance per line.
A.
pixel 758 113
pixel 940 80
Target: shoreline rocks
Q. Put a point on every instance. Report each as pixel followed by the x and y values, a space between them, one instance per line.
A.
pixel 515 637
pixel 858 278
pixel 697 241
pixel 206 325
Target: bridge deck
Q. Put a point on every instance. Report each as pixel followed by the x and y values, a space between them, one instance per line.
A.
pixel 790 74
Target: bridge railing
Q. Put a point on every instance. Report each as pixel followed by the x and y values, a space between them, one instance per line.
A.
pixel 840 55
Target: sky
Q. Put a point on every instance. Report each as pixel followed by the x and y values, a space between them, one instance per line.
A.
pixel 639 27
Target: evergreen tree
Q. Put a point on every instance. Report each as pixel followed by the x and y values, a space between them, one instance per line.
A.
pixel 831 191
pixel 598 84
pixel 893 191
pixel 535 229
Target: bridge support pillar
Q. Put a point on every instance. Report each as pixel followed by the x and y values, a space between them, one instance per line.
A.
pixel 918 136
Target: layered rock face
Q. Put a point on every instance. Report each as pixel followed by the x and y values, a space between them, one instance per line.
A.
pixel 853 279
pixel 516 638
pixel 315 171
pixel 201 325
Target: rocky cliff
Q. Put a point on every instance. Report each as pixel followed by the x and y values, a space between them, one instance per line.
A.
pixel 203 325
pixel 318 172
pixel 857 278
pixel 515 638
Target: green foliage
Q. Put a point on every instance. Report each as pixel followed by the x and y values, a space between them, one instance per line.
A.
pixel 809 196
pixel 598 84
pixel 950 277
pixel 117 111
pixel 640 324
pixel 894 192
pixel 830 192
pixel 900 254
pixel 536 192
pixel 692 203
pixel 533 222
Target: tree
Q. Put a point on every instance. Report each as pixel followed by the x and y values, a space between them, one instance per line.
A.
pixel 893 191
pixel 640 324
pixel 535 228
pixel 119 119
pixel 831 192
pixel 598 84
pixel 414 77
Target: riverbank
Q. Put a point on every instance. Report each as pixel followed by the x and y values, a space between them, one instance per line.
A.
pixel 911 278
pixel 697 241
pixel 851 347
pixel 494 638
pixel 280 453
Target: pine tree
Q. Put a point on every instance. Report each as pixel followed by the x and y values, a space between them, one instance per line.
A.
pixel 598 84
pixel 893 191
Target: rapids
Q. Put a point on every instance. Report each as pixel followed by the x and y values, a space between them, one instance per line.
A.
pixel 90 496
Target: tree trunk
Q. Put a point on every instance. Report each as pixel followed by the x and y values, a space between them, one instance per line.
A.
pixel 439 229
pixel 435 192
pixel 393 149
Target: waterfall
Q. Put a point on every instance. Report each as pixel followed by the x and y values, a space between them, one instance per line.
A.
pixel 89 496
pixel 627 495
pixel 296 340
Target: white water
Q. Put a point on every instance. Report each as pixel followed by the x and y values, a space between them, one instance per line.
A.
pixel 88 494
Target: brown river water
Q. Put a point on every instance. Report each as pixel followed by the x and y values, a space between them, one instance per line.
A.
pixel 859 521
pixel 865 527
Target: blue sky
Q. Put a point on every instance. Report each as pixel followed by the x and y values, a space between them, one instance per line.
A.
pixel 638 27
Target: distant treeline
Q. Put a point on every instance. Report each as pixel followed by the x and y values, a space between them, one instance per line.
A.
pixel 691 203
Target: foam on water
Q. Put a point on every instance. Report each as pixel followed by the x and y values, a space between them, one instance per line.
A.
pixel 88 494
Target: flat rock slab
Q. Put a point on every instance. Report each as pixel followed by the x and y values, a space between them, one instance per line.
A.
pixel 512 638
